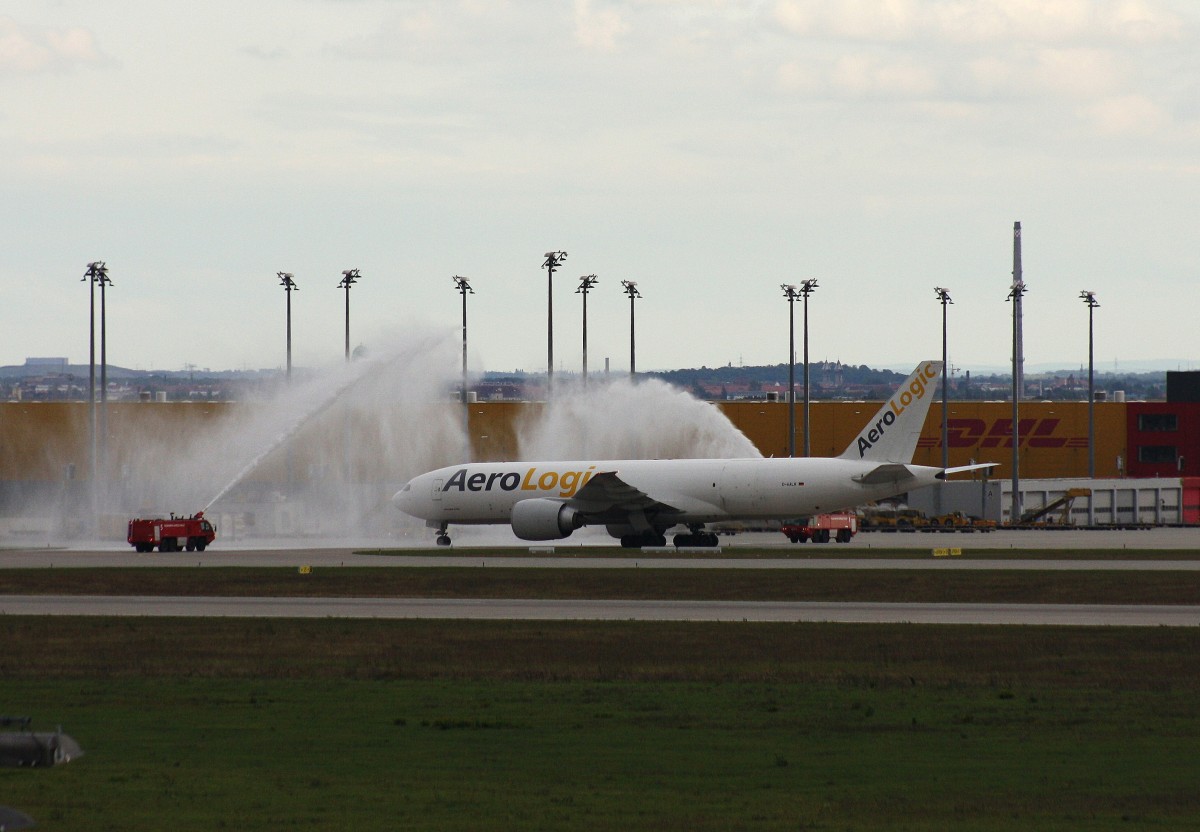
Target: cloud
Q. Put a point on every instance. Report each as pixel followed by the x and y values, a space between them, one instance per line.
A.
pixel 31 49
pixel 981 21
pixel 867 75
pixel 598 28
pixel 1129 115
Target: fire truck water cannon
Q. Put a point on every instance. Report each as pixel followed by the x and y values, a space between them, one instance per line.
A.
pixel 174 534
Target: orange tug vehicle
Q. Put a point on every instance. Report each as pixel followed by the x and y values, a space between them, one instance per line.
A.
pixel 172 535
pixel 819 528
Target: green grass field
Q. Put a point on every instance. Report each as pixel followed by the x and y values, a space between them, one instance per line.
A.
pixel 276 724
pixel 471 581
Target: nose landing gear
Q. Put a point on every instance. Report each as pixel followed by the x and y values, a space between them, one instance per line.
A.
pixel 443 539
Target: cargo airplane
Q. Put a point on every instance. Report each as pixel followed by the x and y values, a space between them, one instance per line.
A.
pixel 639 500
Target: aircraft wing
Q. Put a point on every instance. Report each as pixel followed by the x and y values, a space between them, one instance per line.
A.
pixel 885 472
pixel 607 495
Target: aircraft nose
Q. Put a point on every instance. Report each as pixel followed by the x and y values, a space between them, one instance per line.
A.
pixel 401 499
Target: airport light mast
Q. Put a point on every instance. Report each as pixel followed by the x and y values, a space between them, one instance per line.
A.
pixel 553 262
pixel 585 285
pixel 943 296
pixel 464 288
pixel 349 278
pixel 807 287
pixel 96 273
pixel 289 286
pixel 791 293
pixel 1089 298
pixel 631 289
pixel 1015 293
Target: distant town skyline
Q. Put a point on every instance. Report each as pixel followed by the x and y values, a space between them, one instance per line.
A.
pixel 51 379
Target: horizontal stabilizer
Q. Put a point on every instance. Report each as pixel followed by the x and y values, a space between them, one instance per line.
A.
pixel 962 469
pixel 887 472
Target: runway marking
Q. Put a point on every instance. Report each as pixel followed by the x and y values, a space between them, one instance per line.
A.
pixel 1129 615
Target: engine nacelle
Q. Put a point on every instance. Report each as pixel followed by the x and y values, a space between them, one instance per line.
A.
pixel 541 519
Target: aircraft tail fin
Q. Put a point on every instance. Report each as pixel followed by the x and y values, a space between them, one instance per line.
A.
pixel 892 434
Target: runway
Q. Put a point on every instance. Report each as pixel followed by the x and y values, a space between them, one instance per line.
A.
pixel 521 559
pixel 1176 551
pixel 587 610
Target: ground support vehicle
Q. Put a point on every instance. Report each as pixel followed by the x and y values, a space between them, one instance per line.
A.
pixel 1056 514
pixel 820 528
pixel 894 520
pixel 957 521
pixel 174 534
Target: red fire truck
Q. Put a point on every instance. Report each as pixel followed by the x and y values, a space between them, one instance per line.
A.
pixel 819 528
pixel 175 534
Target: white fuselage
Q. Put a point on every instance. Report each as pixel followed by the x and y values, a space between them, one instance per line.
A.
pixel 700 490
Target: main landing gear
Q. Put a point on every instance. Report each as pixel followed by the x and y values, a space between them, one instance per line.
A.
pixel 651 539
pixel 697 537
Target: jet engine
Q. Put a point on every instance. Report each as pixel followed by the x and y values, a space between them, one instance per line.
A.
pixel 541 519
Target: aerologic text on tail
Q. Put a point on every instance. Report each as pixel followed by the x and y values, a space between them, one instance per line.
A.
pixel 892 434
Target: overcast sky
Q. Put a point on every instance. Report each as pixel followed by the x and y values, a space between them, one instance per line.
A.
pixel 709 151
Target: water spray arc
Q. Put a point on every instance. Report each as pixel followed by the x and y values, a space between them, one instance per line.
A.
pixel 428 432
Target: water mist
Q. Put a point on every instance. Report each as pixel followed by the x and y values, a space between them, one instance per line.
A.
pixel 623 419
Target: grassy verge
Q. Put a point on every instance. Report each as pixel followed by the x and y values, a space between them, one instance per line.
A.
pixel 915 585
pixel 198 724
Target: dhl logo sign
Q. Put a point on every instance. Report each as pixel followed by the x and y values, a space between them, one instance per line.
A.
pixel 566 483
pixel 976 433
